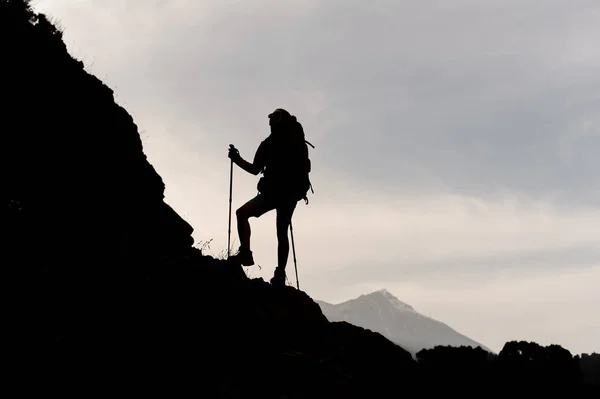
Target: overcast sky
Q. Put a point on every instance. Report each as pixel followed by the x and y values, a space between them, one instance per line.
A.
pixel 456 159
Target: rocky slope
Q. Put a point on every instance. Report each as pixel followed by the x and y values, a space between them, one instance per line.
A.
pixel 78 175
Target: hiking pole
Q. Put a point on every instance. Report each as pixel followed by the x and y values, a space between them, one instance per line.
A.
pixel 294 254
pixel 230 195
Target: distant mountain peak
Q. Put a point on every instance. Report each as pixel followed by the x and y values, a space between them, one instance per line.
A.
pixel 382 312
pixel 386 295
pixel 383 292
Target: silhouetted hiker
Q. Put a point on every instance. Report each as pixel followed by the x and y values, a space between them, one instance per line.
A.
pixel 283 159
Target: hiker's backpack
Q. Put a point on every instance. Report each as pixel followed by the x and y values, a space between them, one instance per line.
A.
pixel 306 169
pixel 290 162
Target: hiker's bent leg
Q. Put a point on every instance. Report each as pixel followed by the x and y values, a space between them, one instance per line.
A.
pixel 243 226
pixel 284 217
pixel 256 207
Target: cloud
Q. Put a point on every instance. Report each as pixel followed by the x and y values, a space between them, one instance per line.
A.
pixel 455 141
pixel 479 96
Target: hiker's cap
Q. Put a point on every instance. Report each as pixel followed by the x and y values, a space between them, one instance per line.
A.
pixel 278 115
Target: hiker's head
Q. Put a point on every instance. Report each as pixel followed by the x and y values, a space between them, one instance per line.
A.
pixel 280 119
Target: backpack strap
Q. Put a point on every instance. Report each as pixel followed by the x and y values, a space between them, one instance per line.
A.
pixel 305 198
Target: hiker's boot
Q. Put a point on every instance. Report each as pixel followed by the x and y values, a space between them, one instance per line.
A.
pixel 244 256
pixel 279 278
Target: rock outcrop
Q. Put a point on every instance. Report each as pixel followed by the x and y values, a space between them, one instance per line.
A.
pixel 79 184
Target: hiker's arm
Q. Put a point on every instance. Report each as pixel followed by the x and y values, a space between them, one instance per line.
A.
pixel 256 166
pixel 248 167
